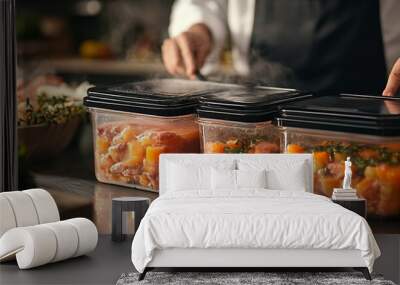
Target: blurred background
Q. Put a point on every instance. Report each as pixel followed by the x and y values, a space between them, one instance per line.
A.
pixel 63 48
pixel 94 40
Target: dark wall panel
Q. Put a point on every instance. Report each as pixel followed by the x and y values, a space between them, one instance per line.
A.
pixel 8 128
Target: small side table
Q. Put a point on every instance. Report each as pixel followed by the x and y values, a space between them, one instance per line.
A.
pixel 358 206
pixel 138 205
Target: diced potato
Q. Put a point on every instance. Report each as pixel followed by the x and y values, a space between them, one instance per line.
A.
pixel 153 154
pixel 136 153
pixel 146 141
pixel 102 145
pixel 128 134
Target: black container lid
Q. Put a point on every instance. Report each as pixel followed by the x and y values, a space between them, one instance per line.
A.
pixel 248 105
pixel 161 97
pixel 363 114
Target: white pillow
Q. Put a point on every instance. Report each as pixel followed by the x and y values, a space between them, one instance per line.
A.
pixel 223 179
pixel 230 180
pixel 184 176
pixel 251 178
pixel 294 180
pixel 283 174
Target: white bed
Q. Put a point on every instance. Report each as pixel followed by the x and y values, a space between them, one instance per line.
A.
pixel 248 227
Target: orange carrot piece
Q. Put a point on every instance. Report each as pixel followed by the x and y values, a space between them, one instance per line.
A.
pixel 294 148
pixel 321 159
pixel 215 147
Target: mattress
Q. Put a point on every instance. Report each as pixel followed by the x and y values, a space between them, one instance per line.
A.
pixel 250 219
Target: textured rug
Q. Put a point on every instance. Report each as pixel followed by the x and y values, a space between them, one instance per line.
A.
pixel 243 278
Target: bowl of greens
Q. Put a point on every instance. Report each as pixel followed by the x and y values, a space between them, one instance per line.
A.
pixel 48 119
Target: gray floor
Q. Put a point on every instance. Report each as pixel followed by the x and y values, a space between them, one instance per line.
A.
pixel 111 259
pixel 103 266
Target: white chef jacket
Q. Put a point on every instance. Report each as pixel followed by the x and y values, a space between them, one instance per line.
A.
pixel 237 16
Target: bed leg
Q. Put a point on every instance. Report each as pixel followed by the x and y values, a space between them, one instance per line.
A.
pixel 143 274
pixel 364 271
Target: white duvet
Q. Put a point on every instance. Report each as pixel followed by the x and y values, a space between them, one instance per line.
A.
pixel 250 219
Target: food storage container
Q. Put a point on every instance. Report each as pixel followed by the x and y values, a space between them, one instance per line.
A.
pixel 241 120
pixel 134 123
pixel 364 128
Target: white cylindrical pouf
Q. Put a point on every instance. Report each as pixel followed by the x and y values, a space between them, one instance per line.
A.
pixel 67 239
pixel 45 205
pixel 40 244
pixel 87 234
pixel 34 245
pixel 7 218
pixel 23 208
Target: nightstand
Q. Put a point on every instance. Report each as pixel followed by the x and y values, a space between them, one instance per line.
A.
pixel 138 205
pixel 358 206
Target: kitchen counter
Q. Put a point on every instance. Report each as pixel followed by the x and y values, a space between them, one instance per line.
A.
pixel 105 66
pixel 114 66
pixel 110 72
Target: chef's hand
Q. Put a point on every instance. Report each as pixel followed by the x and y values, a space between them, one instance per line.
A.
pixel 393 84
pixel 186 53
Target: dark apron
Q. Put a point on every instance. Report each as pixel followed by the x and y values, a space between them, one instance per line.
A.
pixel 320 45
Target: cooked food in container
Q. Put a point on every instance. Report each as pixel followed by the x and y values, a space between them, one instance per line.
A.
pixel 134 123
pixel 241 120
pixel 366 128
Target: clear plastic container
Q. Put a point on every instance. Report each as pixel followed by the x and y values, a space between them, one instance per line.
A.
pixel 241 120
pixel 375 165
pixel 219 136
pixel 134 123
pixel 370 136
pixel 127 145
